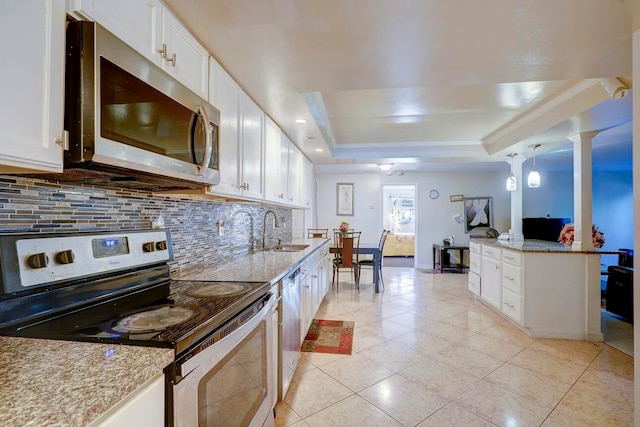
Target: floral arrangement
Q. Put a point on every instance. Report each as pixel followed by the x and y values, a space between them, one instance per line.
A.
pixel 344 226
pixel 567 234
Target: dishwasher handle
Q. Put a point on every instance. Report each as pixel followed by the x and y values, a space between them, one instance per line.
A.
pixel 292 277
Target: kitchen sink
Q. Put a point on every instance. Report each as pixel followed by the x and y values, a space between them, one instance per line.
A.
pixel 290 248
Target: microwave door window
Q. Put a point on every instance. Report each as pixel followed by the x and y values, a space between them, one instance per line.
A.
pixel 136 114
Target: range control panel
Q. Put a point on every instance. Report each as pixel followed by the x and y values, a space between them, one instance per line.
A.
pixel 50 259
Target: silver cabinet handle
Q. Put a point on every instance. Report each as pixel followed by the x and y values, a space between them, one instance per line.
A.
pixel 509 278
pixel 509 305
pixel 511 258
pixel 163 51
pixel 172 60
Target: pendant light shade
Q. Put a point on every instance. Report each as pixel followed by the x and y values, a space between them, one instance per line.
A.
pixel 512 181
pixel 533 180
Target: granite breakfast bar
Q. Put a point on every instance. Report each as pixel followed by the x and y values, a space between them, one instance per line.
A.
pixel 544 288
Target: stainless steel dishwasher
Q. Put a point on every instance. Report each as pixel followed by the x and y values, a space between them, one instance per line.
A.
pixel 290 337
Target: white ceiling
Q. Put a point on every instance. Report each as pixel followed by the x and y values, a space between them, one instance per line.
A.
pixel 427 84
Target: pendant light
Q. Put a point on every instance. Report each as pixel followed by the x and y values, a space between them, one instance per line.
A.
pixel 512 181
pixel 533 180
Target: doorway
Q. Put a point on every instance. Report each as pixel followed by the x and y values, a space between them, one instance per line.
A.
pixel 399 215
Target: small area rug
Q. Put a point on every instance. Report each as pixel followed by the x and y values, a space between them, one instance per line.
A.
pixel 429 271
pixel 329 336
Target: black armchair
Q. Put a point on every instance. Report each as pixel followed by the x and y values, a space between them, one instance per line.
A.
pixel 620 291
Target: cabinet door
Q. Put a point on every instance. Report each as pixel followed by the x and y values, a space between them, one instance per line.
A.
pixel 185 59
pixel 252 148
pixel 273 190
pixel 491 289
pixel 143 407
pixel 308 187
pixel 225 95
pixel 136 22
pixel 285 147
pixel 306 312
pixel 32 85
pixel 295 176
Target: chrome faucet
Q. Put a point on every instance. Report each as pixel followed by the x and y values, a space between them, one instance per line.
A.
pixel 264 226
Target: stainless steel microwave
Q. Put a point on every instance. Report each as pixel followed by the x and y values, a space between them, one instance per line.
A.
pixel 129 122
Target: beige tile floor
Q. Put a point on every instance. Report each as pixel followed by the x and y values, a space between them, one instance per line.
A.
pixel 425 353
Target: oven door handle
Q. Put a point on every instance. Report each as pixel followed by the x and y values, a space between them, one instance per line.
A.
pixel 212 355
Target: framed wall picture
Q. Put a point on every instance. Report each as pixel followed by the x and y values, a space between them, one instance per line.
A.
pixel 344 199
pixel 456 198
pixel 478 212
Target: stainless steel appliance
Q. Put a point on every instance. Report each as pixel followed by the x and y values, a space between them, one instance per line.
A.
pixel 290 332
pixel 129 122
pixel 114 287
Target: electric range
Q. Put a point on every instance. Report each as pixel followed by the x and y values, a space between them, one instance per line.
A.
pixel 111 287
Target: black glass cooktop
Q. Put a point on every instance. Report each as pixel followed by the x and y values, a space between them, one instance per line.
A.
pixel 172 315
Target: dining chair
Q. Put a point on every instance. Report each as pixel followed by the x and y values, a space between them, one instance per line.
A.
pixel 370 262
pixel 313 233
pixel 348 245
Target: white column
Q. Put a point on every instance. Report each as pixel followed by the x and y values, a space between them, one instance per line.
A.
pixel 582 191
pixel 516 202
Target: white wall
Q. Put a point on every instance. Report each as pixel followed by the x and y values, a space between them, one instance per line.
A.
pixel 434 217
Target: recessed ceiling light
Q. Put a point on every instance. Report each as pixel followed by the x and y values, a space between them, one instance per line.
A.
pixel 301 121
pixel 319 150
pixel 385 166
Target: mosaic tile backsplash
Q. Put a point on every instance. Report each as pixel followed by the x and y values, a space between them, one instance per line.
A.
pixel 32 205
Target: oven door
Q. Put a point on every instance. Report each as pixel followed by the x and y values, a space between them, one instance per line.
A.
pixel 229 383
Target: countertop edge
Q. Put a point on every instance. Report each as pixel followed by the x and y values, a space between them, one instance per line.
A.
pixel 539 246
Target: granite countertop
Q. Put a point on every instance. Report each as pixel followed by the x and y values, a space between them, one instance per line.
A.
pixel 531 245
pixel 68 384
pixel 261 266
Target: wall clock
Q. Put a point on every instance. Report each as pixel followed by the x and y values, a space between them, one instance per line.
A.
pixel 434 194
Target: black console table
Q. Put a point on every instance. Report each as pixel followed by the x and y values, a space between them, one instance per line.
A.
pixel 440 249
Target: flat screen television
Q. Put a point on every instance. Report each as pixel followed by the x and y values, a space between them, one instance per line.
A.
pixel 543 228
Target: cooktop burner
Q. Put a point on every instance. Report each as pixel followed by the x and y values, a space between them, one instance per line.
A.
pixel 209 290
pixel 153 319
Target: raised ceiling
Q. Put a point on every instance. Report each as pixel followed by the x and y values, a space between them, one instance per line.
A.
pixel 426 83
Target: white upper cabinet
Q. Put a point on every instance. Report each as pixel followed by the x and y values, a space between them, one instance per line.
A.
pixel 252 148
pixel 241 138
pixel 153 30
pixel 225 95
pixel 295 176
pixel 274 168
pixel 32 85
pixel 184 57
pixel 136 22
pixel 308 187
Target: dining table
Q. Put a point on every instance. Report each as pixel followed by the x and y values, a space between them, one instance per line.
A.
pixel 368 249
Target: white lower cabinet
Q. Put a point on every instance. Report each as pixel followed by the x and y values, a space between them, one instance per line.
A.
pixel 474 283
pixel 314 288
pixel 142 408
pixel 512 305
pixel 554 294
pixel 492 281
